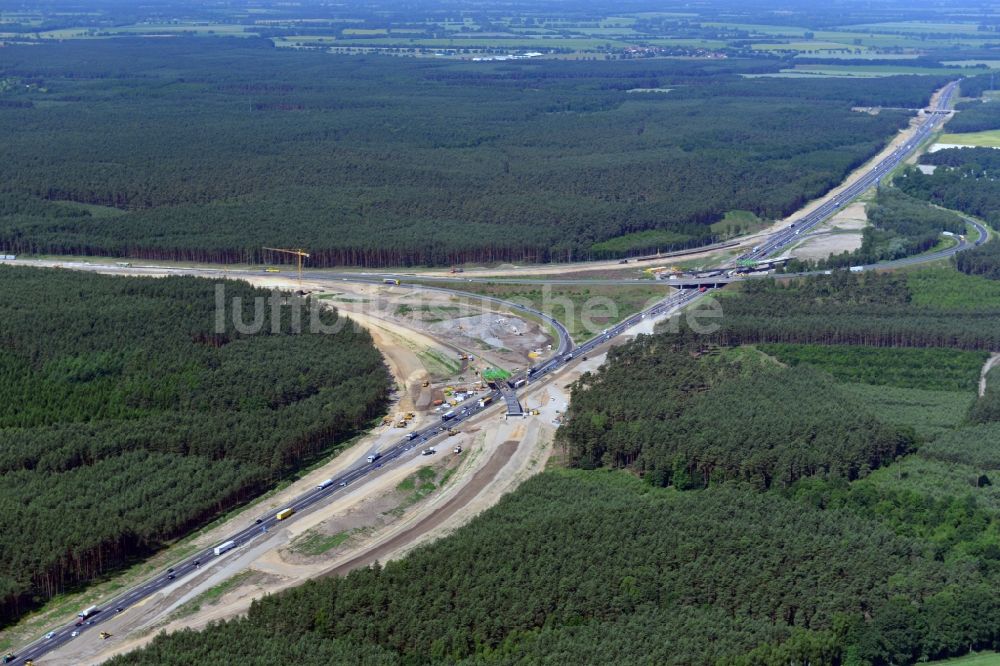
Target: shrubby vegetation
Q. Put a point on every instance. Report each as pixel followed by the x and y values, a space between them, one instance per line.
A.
pixel 945 288
pixel 902 226
pixel 127 418
pixel 208 149
pixel 928 412
pixel 987 407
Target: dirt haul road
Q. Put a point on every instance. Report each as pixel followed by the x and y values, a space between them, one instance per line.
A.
pixel 497 456
pixel 486 468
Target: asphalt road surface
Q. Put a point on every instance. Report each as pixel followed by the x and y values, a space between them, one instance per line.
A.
pixel 427 437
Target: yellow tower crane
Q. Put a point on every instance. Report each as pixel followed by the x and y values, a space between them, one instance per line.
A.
pixel 299 254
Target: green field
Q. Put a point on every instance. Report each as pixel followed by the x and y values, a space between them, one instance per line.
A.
pixel 761 28
pixel 652 240
pixel 987 139
pixel 947 288
pixel 802 46
pixel 738 222
pixel 937 479
pixel 473 41
pixel 865 70
pixel 919 368
pixel 929 413
pixel 978 659
pixel 919 27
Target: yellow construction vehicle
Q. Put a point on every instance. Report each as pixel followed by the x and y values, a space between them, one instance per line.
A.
pixel 452 432
pixel 105 635
pixel 299 253
pixel 426 384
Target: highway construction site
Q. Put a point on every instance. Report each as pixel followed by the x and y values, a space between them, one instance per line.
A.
pixel 436 343
pixel 397 507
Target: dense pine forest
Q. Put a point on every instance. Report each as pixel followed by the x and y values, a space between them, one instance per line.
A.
pixel 128 416
pixel 599 568
pixel 983 260
pixel 687 421
pixel 209 149
pixel 702 409
pixel 828 504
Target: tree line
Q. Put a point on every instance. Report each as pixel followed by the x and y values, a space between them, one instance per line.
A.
pixel 872 310
pixel 965 180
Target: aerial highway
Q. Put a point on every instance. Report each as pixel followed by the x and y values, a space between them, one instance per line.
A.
pixel 873 176
pixel 426 437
